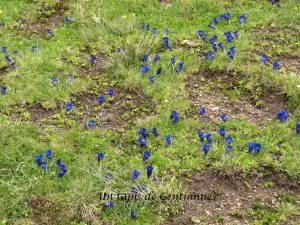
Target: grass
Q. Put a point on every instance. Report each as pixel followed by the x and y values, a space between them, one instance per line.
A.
pixel 74 198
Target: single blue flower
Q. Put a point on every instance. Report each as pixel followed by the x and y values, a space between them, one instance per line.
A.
pixel 91 124
pixel 54 79
pixel 228 140
pixel 142 25
pixel 176 119
pixel 148 27
pixel 282 115
pixel 149 170
pixel 16 52
pixel 154 131
pixel 211 55
pixel 34 48
pixel 8 58
pixel 205 148
pixel 174 113
pixel 257 147
pixel 143 131
pixel 278 5
pixel 202 111
pixel 49 31
pixel 166 43
pixel 141 187
pixel 209 138
pixel 62 171
pixel 214 46
pixel 3 89
pixel 227 15
pixel 166 31
pixel 215 19
pixel 108 175
pixel 120 50
pixel 145 58
pixel 154 31
pixel 108 204
pixel 4 49
pixel 92 59
pixel 200 33
pixel 135 175
pixel 275 65
pixel 221 131
pixel 142 141
pixel 204 36
pixel 168 139
pixel 133 214
pixel 172 59
pixel 70 77
pixel 229 36
pixel 144 68
pixel 180 65
pixel 236 34
pixel 69 106
pixel 211 26
pixel 158 71
pixel 13 65
pixel 232 49
pixel 228 149
pixel 251 147
pixel 205 54
pixel 241 19
pixel 272 1
pixel 156 58
pixel 44 165
pixel 59 162
pixel 151 78
pixel 230 54
pixel 221 17
pixel 67 19
pixel 38 159
pixel 223 117
pixel 264 59
pixel 48 153
pixel 201 135
pixel 146 155
pixel 297 128
pixel 101 99
pixel 100 156
pixel 110 92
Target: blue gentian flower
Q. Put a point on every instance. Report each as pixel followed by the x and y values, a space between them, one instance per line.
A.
pixel 133 214
pixel 215 19
pixel 158 71
pixel 3 89
pixel 221 131
pixel 211 26
pixel 4 49
pixel 110 92
pixel 142 25
pixel 13 65
pixel 282 115
pixel 151 78
pixel 108 204
pixel 44 165
pixel 156 58
pixel 168 139
pixel 257 147
pixel 201 136
pixel 264 59
pixel 48 153
pixel 230 54
pixel 228 149
pixel 120 50
pixel 228 140
pixel 214 46
pixel 223 117
pixel 34 48
pixel 49 31
pixel 204 36
pixel 172 59
pixel 144 68
pixel 251 146
pixel 176 119
pixel 59 162
pixel 180 65
pixel 142 141
pixel 272 1
pixel 275 65
pixel 69 106
pixel 241 19
pixel 166 43
pixel 200 33
pixel 38 159
pixel 8 58
pixel 145 58
pixel 174 113
pixel 232 49
pixel 146 155
pixel 211 55
pixel 92 59
pixel 236 34
pixel 70 77
pixel 135 175
pixel 108 175
pixel 205 54
pixel 148 27
pixel 154 31
pixel 166 31
pixel 143 131
pixel 141 187
pixel 209 138
pixel 62 171
pixel 149 170
pixel 297 128
pixel 278 5
pixel 54 79
pixel 154 131
pixel 202 111
pixel 229 36
pixel 101 99
pixel 212 40
pixel 221 17
pixel 227 15
pixel 91 124
pixel 67 19
pixel 100 156
pixel 205 148
pixel 16 52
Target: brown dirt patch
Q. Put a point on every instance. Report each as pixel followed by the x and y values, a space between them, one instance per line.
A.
pixel 98 67
pixel 217 103
pixel 288 61
pixel 235 194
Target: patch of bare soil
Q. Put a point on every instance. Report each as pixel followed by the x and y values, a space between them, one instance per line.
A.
pixel 216 103
pixel 289 61
pixel 235 197
pixel 96 68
